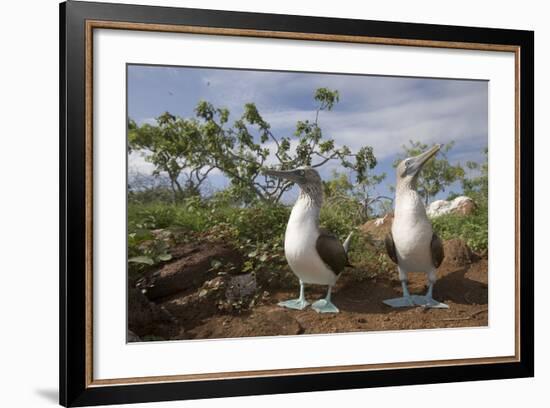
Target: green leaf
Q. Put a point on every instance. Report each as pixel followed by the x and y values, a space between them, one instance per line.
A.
pixel 165 257
pixel 142 260
pixel 215 264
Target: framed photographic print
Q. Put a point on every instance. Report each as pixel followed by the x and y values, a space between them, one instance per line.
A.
pixel 255 203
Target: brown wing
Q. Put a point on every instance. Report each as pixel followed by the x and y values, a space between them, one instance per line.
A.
pixel 331 251
pixel 390 247
pixel 437 250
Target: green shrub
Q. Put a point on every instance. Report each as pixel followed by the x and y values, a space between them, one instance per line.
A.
pixel 473 228
pixel 340 217
pixel 258 232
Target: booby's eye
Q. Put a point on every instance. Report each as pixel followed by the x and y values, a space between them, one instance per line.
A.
pixel 302 173
pixel 407 162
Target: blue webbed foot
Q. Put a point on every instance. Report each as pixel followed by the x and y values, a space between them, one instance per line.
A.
pixel 405 301
pixel 296 304
pixel 429 302
pixel 324 306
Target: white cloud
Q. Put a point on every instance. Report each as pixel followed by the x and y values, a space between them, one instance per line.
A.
pixel 138 164
pixel 461 118
pixel 148 121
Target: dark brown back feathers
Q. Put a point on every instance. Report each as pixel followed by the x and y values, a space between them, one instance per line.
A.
pixel 331 251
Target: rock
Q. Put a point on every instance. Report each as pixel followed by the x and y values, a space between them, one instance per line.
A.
pixel 379 227
pixel 222 294
pixel 457 254
pixel 460 205
pixel 193 265
pixel 145 317
pixel 241 286
pixel 191 308
pixel 199 304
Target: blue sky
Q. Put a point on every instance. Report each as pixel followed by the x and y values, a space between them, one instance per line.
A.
pixel 383 112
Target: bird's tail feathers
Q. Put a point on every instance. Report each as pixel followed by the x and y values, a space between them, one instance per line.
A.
pixel 347 242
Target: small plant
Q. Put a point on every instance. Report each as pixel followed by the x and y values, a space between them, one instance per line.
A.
pixel 368 257
pixel 473 229
pixel 145 251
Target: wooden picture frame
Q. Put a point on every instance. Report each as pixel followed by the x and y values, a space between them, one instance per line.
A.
pixel 78 20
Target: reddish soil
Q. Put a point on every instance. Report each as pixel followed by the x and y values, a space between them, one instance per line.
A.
pixel 209 310
pixel 361 308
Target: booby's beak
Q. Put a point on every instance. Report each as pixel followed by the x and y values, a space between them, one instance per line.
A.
pixel 415 164
pixel 295 176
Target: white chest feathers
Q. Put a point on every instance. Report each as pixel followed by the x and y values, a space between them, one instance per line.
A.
pixel 301 236
pixel 412 233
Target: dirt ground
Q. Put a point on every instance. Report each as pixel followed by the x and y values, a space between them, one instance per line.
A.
pixel 198 314
pixel 361 308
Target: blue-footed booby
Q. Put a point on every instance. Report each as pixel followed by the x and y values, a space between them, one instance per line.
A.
pixel 315 255
pixel 412 244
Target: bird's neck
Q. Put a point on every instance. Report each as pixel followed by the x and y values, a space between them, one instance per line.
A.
pixel 408 201
pixel 307 208
pixel 312 194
